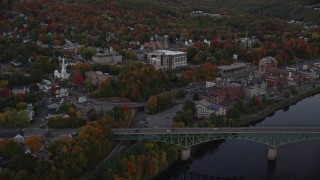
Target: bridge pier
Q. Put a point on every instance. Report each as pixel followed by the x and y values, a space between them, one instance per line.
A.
pixel 185 154
pixel 272 153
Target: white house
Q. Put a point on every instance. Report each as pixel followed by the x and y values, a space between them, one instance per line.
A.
pixel 82 99
pixel 61 92
pixel 20 90
pixel 205 109
pixel 19 138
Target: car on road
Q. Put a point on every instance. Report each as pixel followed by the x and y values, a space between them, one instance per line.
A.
pixel 137 130
pixel 156 126
pixel 168 130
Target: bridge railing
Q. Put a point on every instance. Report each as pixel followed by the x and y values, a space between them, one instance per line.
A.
pixel 231 130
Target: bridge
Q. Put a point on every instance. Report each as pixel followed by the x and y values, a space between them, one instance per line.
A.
pixel 188 137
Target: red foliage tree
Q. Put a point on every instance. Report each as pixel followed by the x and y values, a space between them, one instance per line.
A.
pixel 125 108
pixel 53 89
pixel 77 78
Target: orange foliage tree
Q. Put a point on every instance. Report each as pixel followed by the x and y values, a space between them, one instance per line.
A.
pixel 34 143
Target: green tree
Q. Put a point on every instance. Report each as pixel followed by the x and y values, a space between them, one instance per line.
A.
pixel 195 97
pixel 21 106
pixel 24 161
pixel 6 173
pixel 218 120
pixel 10 149
pixel 190 105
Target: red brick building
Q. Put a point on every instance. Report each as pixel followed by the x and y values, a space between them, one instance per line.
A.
pixel 224 93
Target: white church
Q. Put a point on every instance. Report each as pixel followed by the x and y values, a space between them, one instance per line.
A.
pixel 63 72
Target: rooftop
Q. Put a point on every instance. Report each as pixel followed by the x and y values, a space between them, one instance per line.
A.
pixel 208 105
pixel 232 66
pixel 168 52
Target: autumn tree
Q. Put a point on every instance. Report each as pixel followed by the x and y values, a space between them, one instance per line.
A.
pixel 77 78
pixel 34 143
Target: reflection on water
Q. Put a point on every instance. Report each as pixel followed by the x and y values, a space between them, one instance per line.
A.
pixel 240 159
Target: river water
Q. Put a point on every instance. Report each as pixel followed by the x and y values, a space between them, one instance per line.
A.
pixel 240 159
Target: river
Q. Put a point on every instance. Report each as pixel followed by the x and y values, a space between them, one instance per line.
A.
pixel 240 159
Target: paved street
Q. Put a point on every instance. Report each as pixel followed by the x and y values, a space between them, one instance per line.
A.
pixel 164 118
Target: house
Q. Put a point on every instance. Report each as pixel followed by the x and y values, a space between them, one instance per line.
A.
pixel 82 99
pixel 55 103
pixel 44 86
pixel 20 90
pixel 246 42
pixel 30 111
pixel 61 92
pixel 53 113
pixel 204 109
pixel 19 138
pixel 96 77
pixel 15 63
pixel 107 57
pixel 165 59
pixel 207 42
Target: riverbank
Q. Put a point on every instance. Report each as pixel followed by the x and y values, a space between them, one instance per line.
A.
pixel 246 120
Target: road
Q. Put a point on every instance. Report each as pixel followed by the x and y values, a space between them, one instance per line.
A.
pixel 232 130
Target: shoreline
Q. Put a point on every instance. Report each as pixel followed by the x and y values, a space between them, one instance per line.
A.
pixel 253 118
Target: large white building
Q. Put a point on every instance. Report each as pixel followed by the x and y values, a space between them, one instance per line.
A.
pixel 205 109
pixel 165 59
pixel 107 57
pixel 63 72
pixel 254 87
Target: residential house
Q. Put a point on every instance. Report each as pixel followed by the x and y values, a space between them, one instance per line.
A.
pixel 204 109
pixel 246 42
pixel 44 86
pixel 165 59
pixel 55 103
pixel 53 113
pixel 20 90
pixel 61 92
pixel 19 138
pixel 82 99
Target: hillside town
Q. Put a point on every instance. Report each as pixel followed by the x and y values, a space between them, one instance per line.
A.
pixel 67 79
